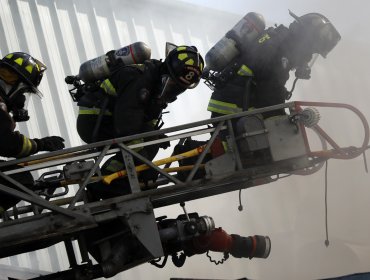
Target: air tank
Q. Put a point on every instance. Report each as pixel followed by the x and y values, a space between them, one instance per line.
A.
pixel 236 39
pixel 99 68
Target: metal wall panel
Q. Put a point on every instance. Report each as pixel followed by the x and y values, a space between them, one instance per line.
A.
pixel 65 33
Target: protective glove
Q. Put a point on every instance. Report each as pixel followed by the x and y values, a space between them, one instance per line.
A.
pixel 164 145
pixel 148 175
pixel 50 143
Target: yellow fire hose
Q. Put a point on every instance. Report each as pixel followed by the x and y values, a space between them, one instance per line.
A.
pixel 192 153
pixel 122 173
pixel 36 161
pixel 67 200
pixel 96 179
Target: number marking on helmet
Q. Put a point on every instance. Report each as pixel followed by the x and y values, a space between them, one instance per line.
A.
pixel 190 75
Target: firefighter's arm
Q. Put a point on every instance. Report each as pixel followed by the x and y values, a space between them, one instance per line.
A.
pixel 128 114
pixel 13 143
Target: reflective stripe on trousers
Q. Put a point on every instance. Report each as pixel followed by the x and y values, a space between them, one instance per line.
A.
pixel 223 108
pixel 92 111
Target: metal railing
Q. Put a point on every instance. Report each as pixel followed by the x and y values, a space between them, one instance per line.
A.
pixel 72 214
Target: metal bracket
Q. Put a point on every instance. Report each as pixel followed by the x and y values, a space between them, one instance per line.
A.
pixel 77 170
pixel 141 220
pixel 131 172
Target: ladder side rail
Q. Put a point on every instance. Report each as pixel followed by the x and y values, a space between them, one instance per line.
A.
pixel 88 147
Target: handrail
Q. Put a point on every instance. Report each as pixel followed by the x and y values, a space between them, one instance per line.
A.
pixel 95 150
pixel 338 152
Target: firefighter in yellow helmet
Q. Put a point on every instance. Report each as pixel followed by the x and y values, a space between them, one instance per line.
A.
pixel 134 97
pixel 20 74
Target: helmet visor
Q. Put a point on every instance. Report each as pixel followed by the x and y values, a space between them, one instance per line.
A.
pixel 328 39
pixel 22 89
pixel 41 67
pixel 31 90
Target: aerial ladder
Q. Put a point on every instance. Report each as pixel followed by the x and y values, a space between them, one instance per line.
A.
pixel 243 150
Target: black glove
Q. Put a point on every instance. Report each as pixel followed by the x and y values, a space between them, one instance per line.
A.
pixel 164 145
pixel 50 143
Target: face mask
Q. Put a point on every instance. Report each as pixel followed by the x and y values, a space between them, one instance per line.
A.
pixel 18 102
pixel 6 87
pixel 20 113
pixel 170 90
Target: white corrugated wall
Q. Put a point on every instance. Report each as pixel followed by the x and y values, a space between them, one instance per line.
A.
pixel 65 33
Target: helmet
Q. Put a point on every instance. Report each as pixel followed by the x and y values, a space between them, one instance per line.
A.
pixel 315 32
pixel 29 68
pixel 185 66
pixel 30 72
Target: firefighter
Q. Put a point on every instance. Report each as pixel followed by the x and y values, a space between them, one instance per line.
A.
pixel 20 73
pixel 131 101
pixel 257 77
